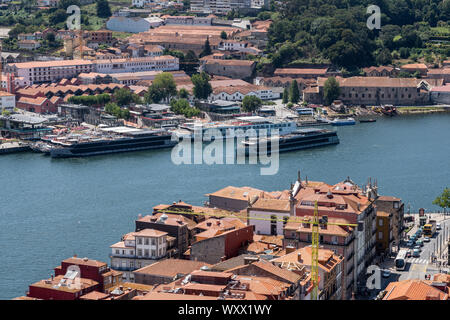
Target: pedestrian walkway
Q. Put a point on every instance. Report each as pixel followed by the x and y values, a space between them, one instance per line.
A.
pixel 417 261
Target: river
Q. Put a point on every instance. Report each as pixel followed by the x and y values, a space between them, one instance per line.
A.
pixel 51 209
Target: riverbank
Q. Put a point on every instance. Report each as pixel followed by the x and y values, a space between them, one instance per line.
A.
pixel 421 110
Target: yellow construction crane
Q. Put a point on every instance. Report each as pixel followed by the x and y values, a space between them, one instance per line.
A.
pixel 315 230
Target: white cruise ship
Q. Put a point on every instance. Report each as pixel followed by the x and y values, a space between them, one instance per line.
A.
pixel 235 128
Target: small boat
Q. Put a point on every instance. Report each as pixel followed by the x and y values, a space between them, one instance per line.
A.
pixel 343 122
pixel 367 120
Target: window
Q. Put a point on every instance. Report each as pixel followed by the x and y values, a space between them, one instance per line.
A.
pixel 380 235
pixel 273 225
pixel 139 240
pixel 139 252
pixel 380 222
pixel 146 241
pixel 146 252
pixel 153 241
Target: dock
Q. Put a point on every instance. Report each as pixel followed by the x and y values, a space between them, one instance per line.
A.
pixel 13 147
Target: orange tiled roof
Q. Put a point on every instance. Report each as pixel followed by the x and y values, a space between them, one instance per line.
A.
pixel 413 290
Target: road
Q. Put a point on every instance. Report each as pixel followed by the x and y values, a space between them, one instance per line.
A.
pixel 417 267
pixel 281 110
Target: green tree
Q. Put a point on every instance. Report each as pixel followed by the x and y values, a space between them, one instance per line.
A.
pixel 123 96
pixel 181 106
pixel 202 87
pixel 103 9
pixel 251 103
pixel 285 95
pixel 331 90
pixel 223 35
pixel 163 88
pixel 294 92
pixel 443 200
pixel 206 49
pixel 183 93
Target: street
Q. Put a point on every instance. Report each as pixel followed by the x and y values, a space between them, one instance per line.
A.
pixel 418 267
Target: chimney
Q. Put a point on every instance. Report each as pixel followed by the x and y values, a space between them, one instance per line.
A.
pixel 299 257
pixel 289 249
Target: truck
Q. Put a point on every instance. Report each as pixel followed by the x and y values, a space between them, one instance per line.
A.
pixel 429 229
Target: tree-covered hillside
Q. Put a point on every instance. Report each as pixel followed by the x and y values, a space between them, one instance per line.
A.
pixel 324 31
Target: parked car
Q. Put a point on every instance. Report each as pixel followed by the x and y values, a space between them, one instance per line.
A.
pixel 408 254
pixel 410 243
pixel 417 248
pixel 438 226
pixel 426 239
pixel 386 273
pixel 419 243
pixel 416 253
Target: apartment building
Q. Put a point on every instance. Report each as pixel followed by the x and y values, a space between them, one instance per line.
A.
pixel 338 239
pixel 349 202
pixel 385 237
pixel 49 71
pixel 215 244
pixel 52 71
pixel 139 249
pixel 330 265
pixel 174 225
pixel 163 63
pixel 396 209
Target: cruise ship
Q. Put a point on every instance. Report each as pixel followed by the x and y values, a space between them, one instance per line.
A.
pixel 297 140
pixel 235 128
pixel 343 122
pixel 110 140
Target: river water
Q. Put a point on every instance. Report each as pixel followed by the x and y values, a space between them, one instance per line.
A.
pixel 51 209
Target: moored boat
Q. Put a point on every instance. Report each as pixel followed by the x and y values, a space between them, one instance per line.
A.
pixel 343 122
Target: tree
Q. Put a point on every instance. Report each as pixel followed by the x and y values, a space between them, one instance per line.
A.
pixel 113 109
pixel 103 9
pixel 294 92
pixel 181 106
pixel 202 87
pixel 443 200
pixel 206 49
pixel 163 87
pixel 183 93
pixel 331 90
pixel 251 103
pixel 223 35
pixel 123 96
pixel 285 95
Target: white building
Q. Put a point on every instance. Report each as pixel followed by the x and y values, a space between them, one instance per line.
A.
pixel 137 250
pixel 270 215
pixel 133 25
pixel 163 63
pixel 7 101
pixel 231 93
pixel 51 71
